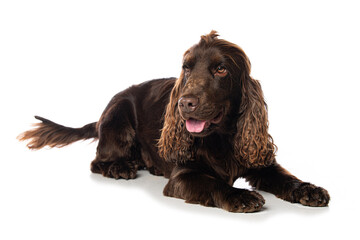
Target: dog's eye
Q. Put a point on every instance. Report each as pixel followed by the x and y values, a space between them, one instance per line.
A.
pixel 221 71
pixel 186 69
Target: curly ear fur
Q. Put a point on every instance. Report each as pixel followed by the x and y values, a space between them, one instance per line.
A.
pixel 175 142
pixel 253 146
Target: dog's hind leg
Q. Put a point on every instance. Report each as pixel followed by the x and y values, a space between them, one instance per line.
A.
pixel 117 151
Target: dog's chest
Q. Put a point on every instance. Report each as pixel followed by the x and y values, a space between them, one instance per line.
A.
pixel 217 154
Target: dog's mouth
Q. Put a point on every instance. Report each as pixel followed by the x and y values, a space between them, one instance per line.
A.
pixel 198 126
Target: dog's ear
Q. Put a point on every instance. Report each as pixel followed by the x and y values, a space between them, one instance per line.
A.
pixel 175 142
pixel 253 146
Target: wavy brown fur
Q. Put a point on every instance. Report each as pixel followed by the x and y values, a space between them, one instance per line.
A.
pixel 175 142
pixel 252 143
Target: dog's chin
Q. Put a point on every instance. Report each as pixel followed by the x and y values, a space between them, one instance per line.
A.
pixel 202 128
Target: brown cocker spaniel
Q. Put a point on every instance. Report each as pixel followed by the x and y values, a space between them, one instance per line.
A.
pixel 203 131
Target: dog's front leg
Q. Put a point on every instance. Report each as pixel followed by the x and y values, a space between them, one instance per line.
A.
pixel 280 182
pixel 198 187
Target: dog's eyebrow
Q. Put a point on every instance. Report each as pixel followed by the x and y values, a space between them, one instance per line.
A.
pixel 216 61
pixel 189 60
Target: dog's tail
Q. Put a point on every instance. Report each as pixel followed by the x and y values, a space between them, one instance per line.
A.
pixel 48 133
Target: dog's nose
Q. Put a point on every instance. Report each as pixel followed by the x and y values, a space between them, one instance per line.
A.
pixel 188 104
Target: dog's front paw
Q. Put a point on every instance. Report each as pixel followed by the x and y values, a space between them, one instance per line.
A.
pixel 310 195
pixel 244 201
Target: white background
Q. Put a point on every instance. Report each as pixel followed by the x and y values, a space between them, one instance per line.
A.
pixel 64 60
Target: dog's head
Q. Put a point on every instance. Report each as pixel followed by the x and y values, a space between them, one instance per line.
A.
pixel 215 93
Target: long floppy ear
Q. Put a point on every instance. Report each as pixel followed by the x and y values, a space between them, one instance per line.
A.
pixel 175 142
pixel 253 146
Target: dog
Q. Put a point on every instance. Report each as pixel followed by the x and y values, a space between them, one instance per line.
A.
pixel 202 131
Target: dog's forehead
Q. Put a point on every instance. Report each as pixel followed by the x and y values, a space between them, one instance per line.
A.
pixel 209 54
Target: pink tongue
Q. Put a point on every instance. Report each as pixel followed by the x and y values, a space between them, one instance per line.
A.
pixel 196 126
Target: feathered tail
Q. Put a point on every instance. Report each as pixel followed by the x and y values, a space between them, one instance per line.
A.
pixel 48 133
